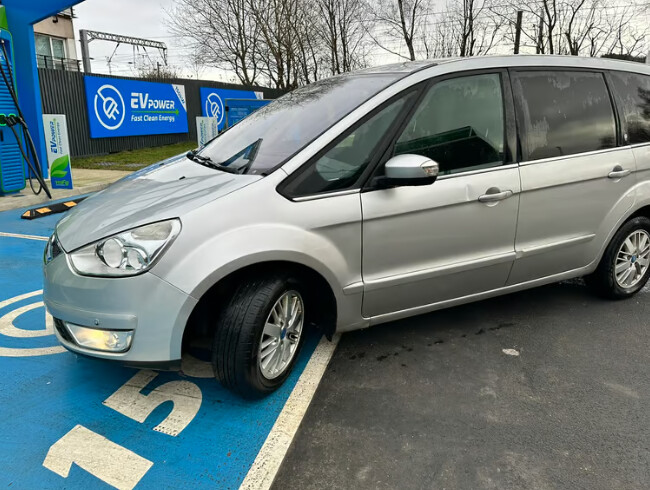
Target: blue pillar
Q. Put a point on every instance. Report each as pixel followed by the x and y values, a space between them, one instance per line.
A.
pixel 28 88
pixel 21 16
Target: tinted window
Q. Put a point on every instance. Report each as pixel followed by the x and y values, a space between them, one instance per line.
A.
pixel 342 165
pixel 273 133
pixel 459 124
pixel 562 113
pixel 633 91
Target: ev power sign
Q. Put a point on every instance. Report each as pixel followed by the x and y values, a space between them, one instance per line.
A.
pixel 119 107
pixel 213 101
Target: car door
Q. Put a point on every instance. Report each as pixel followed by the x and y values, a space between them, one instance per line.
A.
pixel 575 178
pixel 424 245
pixel 633 95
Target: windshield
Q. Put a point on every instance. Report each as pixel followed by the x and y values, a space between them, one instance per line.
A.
pixel 266 138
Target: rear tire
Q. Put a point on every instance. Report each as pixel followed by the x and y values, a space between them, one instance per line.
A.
pixel 250 320
pixel 623 270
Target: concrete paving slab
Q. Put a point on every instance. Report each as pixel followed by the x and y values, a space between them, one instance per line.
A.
pixel 85 182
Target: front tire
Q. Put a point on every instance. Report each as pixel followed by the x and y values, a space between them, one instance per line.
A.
pixel 259 335
pixel 623 270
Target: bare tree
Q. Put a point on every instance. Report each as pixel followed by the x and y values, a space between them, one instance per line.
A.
pixel 308 47
pixel 277 21
pixel 221 33
pixel 475 26
pixel 576 27
pixel 195 65
pixel 342 26
pixel 287 43
pixel 159 71
pixel 626 38
pixel 401 21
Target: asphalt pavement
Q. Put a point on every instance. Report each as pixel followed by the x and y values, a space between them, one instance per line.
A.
pixel 548 388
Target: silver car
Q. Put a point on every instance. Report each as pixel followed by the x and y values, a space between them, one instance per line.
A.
pixel 358 200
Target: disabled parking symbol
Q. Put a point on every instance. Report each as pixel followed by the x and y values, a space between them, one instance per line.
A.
pixel 9 329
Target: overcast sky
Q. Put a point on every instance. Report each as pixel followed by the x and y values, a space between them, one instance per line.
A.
pixel 141 18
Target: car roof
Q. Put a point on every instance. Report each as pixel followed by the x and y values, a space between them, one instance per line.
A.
pixel 509 61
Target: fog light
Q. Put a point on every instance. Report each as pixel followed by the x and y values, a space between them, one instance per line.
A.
pixel 105 340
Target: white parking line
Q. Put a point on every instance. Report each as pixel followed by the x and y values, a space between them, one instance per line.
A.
pixel 28 237
pixel 268 461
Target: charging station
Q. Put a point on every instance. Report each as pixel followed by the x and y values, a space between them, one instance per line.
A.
pixel 22 151
pixel 12 163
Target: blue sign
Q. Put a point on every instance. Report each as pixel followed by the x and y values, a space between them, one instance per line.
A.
pixel 213 101
pixel 119 107
pixel 238 109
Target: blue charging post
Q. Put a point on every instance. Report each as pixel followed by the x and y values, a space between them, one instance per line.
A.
pixel 21 17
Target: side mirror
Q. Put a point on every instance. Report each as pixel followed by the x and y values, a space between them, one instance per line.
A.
pixel 409 169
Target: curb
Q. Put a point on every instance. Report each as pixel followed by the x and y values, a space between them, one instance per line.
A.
pixel 11 202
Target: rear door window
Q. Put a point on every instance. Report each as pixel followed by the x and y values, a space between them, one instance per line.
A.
pixel 562 113
pixel 633 91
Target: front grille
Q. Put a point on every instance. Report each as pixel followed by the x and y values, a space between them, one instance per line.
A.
pixel 63 332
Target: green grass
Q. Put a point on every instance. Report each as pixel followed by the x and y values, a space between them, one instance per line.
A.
pixel 132 159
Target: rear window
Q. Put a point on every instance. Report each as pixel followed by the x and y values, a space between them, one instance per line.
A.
pixel 633 91
pixel 563 113
pixel 266 138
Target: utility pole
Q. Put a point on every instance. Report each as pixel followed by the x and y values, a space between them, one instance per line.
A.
pixel 158 65
pixel 520 14
pixel 85 54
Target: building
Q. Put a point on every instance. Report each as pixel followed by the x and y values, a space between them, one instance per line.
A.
pixel 55 42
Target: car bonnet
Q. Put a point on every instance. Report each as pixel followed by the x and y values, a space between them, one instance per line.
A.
pixel 161 191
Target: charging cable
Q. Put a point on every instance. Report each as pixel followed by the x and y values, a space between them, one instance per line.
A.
pixel 13 120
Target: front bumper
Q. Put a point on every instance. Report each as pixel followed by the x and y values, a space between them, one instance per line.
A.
pixel 153 309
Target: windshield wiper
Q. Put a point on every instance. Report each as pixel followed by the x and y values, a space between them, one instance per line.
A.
pixel 207 162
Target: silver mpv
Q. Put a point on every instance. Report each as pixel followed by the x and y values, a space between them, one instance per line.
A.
pixel 321 210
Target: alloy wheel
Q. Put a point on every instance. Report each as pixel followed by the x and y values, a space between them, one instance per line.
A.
pixel 632 259
pixel 281 335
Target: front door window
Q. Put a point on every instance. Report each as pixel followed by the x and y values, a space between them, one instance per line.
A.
pixel 459 125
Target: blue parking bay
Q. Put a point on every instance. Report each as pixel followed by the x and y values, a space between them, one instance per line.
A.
pixel 74 422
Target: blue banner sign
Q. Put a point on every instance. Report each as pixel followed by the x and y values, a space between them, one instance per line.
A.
pixel 119 107
pixel 238 109
pixel 213 101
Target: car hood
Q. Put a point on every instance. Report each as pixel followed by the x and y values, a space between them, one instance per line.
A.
pixel 161 191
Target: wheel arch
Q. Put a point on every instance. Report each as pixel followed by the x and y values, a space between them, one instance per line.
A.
pixel 642 209
pixel 319 291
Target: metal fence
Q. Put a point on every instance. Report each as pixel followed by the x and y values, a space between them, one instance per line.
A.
pixel 43 61
pixel 62 92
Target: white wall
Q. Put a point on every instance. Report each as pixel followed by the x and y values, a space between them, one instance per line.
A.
pixel 63 28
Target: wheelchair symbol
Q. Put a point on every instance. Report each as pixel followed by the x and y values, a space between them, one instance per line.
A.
pixel 8 329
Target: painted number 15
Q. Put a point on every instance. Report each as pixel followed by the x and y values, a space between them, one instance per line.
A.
pixel 109 461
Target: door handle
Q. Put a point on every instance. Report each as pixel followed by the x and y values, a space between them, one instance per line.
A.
pixel 618 172
pixel 492 196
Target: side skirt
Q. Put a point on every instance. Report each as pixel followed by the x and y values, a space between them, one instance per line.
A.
pixel 418 310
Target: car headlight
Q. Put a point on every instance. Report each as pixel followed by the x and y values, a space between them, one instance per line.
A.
pixel 128 253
